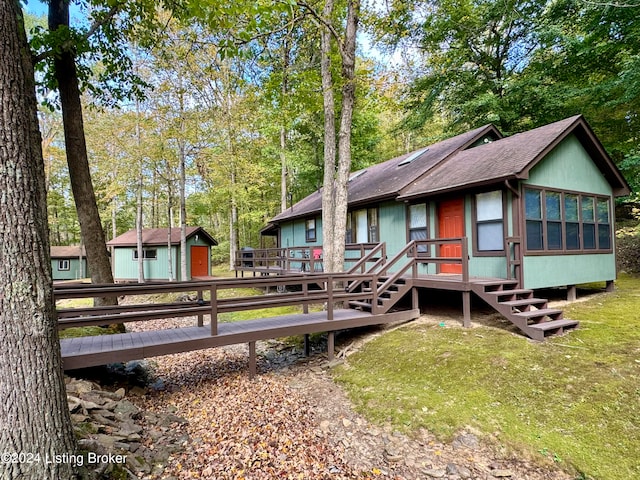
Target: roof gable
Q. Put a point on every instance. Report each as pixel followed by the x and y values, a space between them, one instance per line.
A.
pixel 513 158
pixel 158 237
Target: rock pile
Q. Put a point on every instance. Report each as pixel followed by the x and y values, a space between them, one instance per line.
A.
pixel 117 436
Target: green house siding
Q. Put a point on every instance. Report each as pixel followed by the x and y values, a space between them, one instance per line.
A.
pixel 568 167
pixel 75 271
pixel 563 270
pixel 125 266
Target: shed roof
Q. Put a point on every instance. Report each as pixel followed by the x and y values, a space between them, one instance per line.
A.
pixel 158 237
pixel 67 251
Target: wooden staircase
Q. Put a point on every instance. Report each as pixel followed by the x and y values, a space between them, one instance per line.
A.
pixel 530 314
pixel 389 291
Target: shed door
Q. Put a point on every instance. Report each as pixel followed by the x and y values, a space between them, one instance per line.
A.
pixel 451 225
pixel 199 261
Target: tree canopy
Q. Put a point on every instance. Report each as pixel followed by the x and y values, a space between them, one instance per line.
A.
pixel 235 91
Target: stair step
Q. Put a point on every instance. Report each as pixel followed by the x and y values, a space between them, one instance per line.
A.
pixel 504 293
pixel 543 312
pixel 497 283
pixel 358 303
pixel 555 324
pixel 524 302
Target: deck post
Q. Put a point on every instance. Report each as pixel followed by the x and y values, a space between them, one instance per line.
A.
pixel 330 297
pixel 610 286
pixel 415 298
pixel 214 309
pixel 253 369
pixel 307 345
pixel 466 308
pixel 200 301
pixel 571 293
pixel 305 295
pixel 331 344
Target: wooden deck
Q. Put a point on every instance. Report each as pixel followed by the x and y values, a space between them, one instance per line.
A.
pixel 99 350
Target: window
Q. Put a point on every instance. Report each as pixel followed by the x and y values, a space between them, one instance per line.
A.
pixel 604 224
pixel 533 215
pixel 489 222
pixel 561 221
pixel 362 226
pixel 418 224
pixel 554 221
pixel 572 221
pixel 310 230
pixel 64 265
pixel 147 254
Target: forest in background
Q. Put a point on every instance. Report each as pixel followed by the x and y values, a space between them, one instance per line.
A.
pixel 231 112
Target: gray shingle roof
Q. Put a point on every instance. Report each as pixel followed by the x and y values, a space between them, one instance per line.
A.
pixel 451 165
pixel 385 180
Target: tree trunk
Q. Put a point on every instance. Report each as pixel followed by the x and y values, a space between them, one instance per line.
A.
pixel 344 136
pixel 34 418
pixel 76 149
pixel 328 199
pixel 139 203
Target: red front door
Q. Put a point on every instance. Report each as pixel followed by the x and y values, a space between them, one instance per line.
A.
pixel 451 225
pixel 199 261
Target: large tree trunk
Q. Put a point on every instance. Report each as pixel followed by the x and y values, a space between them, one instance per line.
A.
pixel 344 136
pixel 336 177
pixel 76 150
pixel 328 198
pixel 34 418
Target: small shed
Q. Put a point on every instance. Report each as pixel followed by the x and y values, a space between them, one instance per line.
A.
pixel 161 254
pixel 68 262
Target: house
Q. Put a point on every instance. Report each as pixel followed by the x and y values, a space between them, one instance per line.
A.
pixel 68 262
pixel 158 246
pixel 536 206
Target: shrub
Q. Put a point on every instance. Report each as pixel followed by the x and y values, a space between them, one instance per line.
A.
pixel 628 249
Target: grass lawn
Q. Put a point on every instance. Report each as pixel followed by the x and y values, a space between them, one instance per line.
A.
pixel 574 400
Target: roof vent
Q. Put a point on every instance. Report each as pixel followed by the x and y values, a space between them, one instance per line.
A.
pixel 357 174
pixel 412 157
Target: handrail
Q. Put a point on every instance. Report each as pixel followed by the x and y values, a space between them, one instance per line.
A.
pixel 367 258
pixel 323 291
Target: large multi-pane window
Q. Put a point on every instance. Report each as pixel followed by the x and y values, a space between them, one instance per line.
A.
pixel 563 221
pixel 362 226
pixel 489 222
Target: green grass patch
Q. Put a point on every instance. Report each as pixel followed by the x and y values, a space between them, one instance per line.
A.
pixel 84 332
pixel 574 399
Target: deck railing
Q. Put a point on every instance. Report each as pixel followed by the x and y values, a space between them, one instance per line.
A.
pixel 301 259
pixel 208 298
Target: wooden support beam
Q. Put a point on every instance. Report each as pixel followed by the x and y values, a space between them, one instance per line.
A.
pixel 571 293
pixel 610 286
pixel 466 309
pixel 307 345
pixel 214 309
pixel 200 302
pixel 331 339
pixel 253 367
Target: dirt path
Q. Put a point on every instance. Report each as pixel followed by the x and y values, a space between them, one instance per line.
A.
pixel 293 421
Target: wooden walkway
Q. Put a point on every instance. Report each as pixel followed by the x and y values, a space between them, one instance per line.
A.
pixel 83 352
